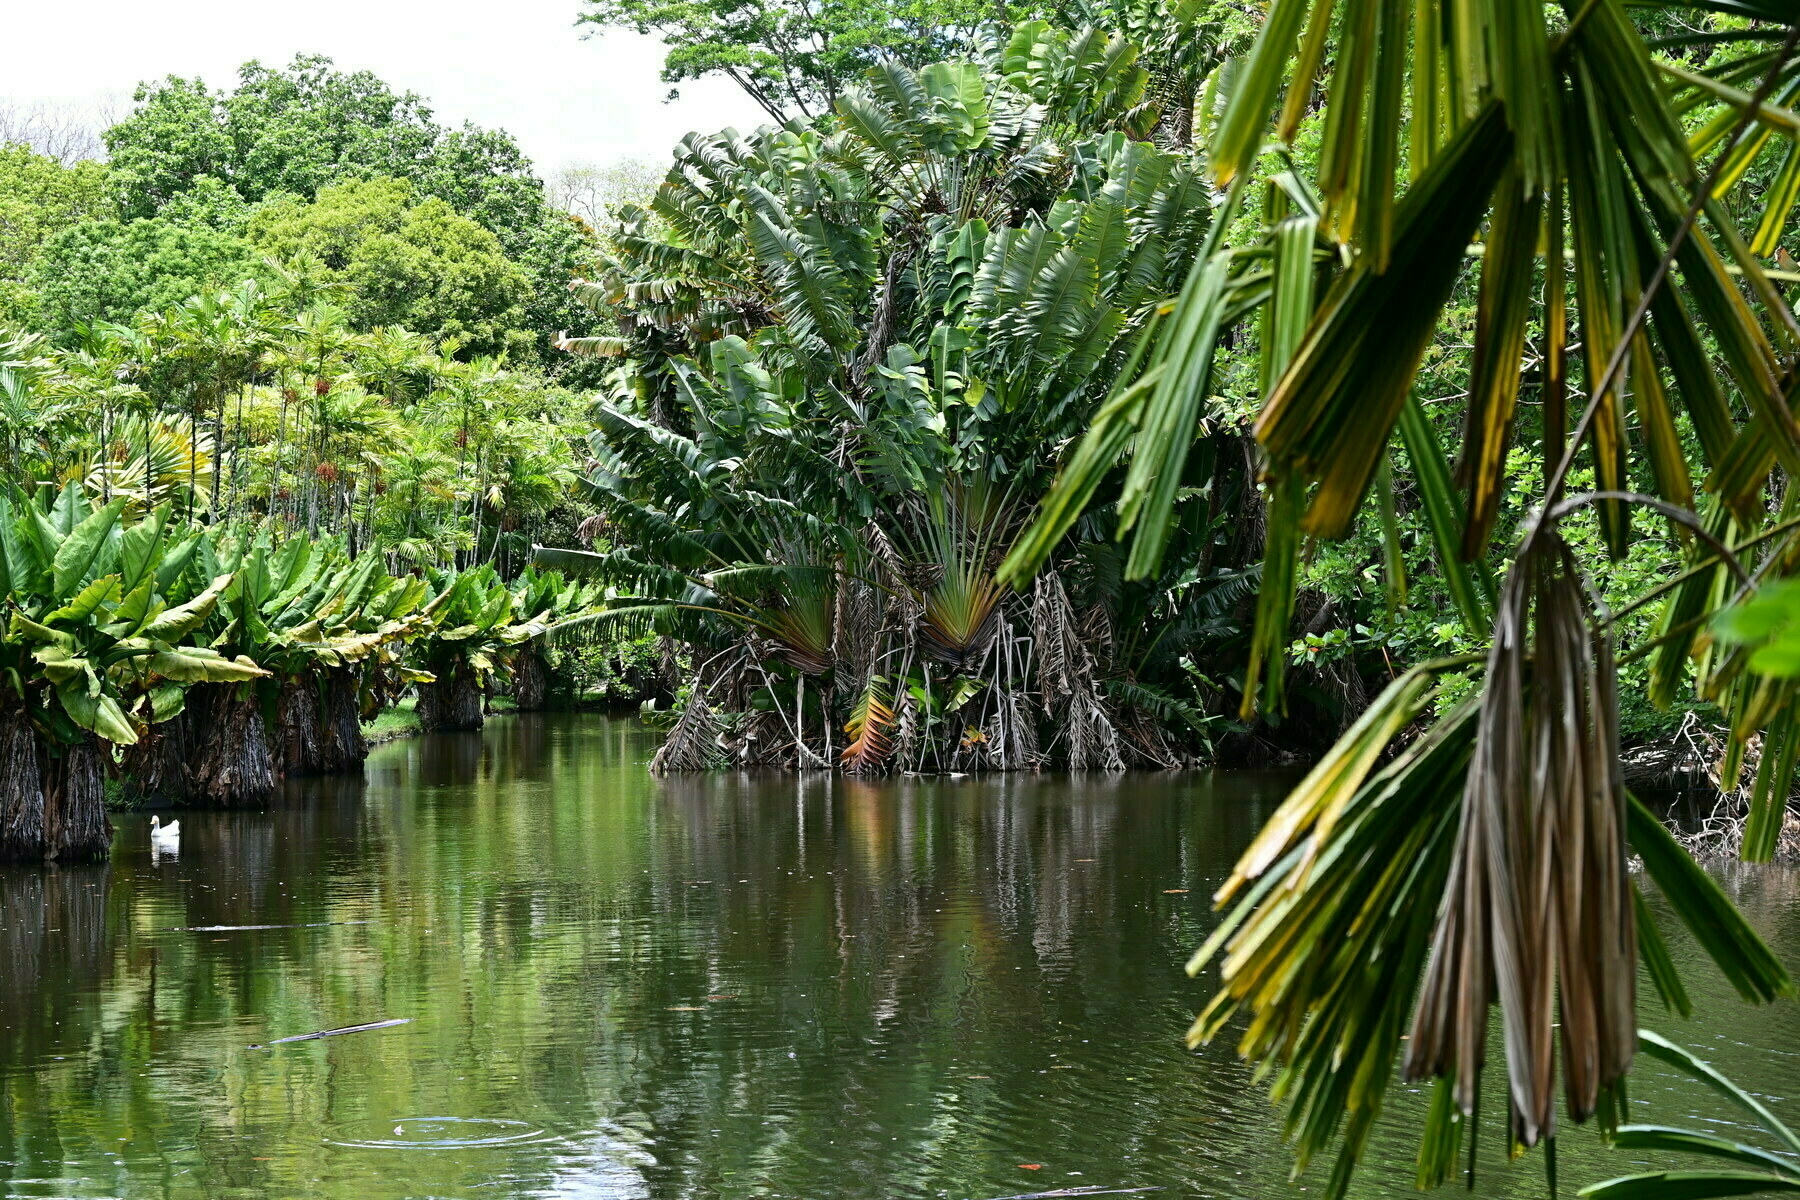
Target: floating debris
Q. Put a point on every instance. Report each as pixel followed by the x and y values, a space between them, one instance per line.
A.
pixel 233 928
pixel 1091 1190
pixel 325 1033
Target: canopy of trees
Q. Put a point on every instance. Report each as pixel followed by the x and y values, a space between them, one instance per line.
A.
pixel 408 263
pixel 443 230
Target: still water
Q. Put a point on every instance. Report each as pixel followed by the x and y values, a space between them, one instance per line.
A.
pixel 733 986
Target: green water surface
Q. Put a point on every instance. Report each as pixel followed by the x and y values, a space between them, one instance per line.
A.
pixel 729 986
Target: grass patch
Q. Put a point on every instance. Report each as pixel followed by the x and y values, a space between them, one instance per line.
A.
pixel 391 723
pixel 120 797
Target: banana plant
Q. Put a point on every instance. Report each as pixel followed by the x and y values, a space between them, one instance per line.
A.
pixel 93 653
pixel 561 607
pixel 472 625
pixel 313 618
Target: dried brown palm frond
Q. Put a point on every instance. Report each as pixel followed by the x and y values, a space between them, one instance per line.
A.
pixel 1147 741
pixel 669 653
pixel 1485 861
pixel 895 577
pixel 759 740
pixel 856 627
pixel 1056 638
pixel 1091 741
pixel 1538 909
pixel 1096 630
pixel 1066 680
pixel 693 744
pixel 592 527
pixel 906 728
pixel 1012 741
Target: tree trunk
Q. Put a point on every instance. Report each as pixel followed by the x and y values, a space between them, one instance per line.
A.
pixel 21 791
pixel 233 765
pixel 531 679
pixel 75 824
pixel 299 748
pixel 453 703
pixel 341 744
pixel 157 764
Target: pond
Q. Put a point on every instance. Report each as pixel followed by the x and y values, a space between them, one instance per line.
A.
pixel 729 986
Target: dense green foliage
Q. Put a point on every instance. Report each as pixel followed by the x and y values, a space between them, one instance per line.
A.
pixel 795 60
pixel 850 356
pixel 811 478
pixel 39 197
pixel 109 270
pixel 403 263
pixel 443 230
pixel 1083 391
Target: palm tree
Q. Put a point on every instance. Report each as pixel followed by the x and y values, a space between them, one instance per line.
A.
pixel 1411 881
pixel 840 349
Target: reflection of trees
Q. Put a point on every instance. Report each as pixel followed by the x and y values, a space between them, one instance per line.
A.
pixel 904 936
pixel 547 914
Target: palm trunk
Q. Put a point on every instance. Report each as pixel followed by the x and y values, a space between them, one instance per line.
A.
pixel 341 743
pixel 298 742
pixel 157 765
pixel 453 703
pixel 531 679
pixel 21 791
pixel 75 824
pixel 218 455
pixel 234 765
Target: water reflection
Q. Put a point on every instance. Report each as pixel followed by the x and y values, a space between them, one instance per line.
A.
pixel 730 986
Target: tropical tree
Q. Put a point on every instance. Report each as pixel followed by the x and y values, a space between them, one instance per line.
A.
pixel 285 137
pixel 108 270
pixel 848 354
pixel 405 260
pixel 1416 878
pixel 318 622
pixel 473 627
pixel 93 654
pixel 39 197
pixel 564 608
pixel 795 60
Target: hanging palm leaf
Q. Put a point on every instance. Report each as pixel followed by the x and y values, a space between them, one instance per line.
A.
pixel 871 727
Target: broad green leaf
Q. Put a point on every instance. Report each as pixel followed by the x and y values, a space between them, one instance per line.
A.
pixel 1683 1060
pixel 167 702
pixel 1687 1141
pixel 141 545
pixel 1741 955
pixel 90 600
pixel 176 623
pixel 99 714
pixel 1653 952
pixel 190 664
pixel 77 553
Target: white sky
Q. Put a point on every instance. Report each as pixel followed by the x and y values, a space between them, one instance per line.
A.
pixel 523 66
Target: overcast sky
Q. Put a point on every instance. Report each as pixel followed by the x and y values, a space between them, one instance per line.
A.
pixel 521 65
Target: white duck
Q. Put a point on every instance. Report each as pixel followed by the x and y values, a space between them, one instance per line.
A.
pixel 165 837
